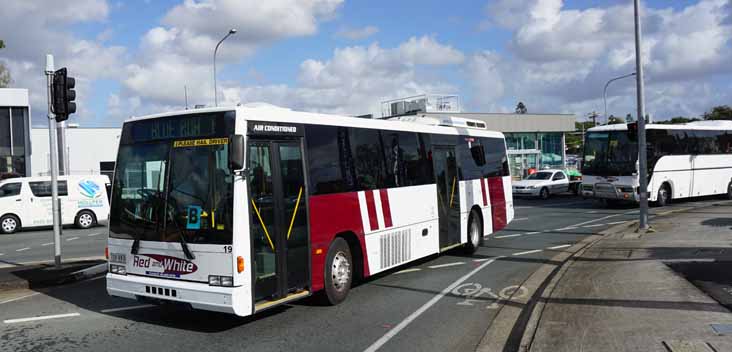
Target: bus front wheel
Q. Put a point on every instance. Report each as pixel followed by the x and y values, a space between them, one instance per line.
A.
pixel 338 271
pixel 663 196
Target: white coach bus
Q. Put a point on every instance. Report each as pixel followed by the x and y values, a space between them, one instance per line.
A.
pixel 240 209
pixel 688 160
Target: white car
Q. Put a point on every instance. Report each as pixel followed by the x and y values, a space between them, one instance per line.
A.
pixel 26 202
pixel 542 184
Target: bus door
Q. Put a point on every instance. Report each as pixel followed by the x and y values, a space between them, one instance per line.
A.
pixel 448 194
pixel 278 218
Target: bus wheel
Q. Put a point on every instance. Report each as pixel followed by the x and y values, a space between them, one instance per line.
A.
pixel 9 224
pixel 85 219
pixel 338 271
pixel 729 191
pixel 544 193
pixel 663 196
pixel 474 235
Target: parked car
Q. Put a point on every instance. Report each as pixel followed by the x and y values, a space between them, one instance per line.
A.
pixel 26 202
pixel 544 183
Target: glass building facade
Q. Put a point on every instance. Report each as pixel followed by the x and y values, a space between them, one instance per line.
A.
pixel 14 141
pixel 535 150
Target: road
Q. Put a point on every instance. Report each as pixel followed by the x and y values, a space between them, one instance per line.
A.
pixel 443 303
pixel 37 245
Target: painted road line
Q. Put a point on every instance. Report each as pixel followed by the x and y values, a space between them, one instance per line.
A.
pixel 598 219
pixel 596 225
pixel 72 238
pixel 487 259
pixel 2 254
pixel 407 271
pixel 19 298
pixel 567 228
pixel 112 310
pixel 533 233
pixel 45 317
pixel 616 222
pixel 22 249
pixel 528 252
pixel 47 244
pixel 404 323
pixel 520 219
pixel 93 234
pixel 560 247
pixel 507 236
pixel 445 265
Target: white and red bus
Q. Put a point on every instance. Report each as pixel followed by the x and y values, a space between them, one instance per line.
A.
pixel 240 209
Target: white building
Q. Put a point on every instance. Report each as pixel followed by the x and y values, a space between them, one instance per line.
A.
pixel 89 150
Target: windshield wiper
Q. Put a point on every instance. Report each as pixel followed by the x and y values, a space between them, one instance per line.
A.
pixel 181 238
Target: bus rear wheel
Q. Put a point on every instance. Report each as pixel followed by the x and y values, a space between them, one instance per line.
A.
pixel 338 271
pixel 663 196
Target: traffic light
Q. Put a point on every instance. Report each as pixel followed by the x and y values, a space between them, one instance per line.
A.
pixel 63 95
pixel 633 131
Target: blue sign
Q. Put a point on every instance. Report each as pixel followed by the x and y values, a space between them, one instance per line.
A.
pixel 194 217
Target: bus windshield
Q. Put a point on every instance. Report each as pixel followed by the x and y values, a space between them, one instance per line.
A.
pixel 179 186
pixel 610 153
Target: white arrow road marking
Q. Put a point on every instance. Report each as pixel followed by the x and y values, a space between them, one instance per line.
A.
pixel 23 320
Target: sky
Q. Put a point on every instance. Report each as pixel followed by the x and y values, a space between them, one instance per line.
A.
pixel 132 58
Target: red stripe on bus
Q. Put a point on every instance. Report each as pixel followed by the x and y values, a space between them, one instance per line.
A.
pixel 482 190
pixel 330 215
pixel 371 207
pixel 498 203
pixel 385 207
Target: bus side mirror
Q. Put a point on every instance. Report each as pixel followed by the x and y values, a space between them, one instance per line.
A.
pixel 236 152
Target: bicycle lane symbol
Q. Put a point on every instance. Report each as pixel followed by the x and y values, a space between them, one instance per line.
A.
pixel 476 293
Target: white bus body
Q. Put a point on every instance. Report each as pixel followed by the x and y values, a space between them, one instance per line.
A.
pixel 26 201
pixel 312 186
pixel 689 160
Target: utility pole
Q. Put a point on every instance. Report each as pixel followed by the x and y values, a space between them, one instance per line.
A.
pixel 642 162
pixel 53 149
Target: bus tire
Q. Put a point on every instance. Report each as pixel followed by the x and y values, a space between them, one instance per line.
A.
pixel 729 191
pixel 544 193
pixel 474 233
pixel 663 196
pixel 85 219
pixel 338 271
pixel 9 224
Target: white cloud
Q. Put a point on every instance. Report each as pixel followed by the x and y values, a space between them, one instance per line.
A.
pixel 357 33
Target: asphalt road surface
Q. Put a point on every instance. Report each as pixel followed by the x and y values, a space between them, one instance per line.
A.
pixel 37 245
pixel 443 303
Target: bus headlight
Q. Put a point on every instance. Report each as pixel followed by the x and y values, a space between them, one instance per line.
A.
pixel 216 280
pixel 118 269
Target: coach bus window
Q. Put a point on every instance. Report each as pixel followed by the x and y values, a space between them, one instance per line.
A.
pixel 496 162
pixel 329 159
pixel 368 159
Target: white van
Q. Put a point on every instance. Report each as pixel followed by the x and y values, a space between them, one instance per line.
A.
pixel 26 201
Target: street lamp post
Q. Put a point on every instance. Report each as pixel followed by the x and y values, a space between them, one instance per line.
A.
pixel 604 92
pixel 642 165
pixel 216 97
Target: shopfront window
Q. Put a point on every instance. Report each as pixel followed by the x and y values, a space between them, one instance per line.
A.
pixel 552 150
pixel 521 141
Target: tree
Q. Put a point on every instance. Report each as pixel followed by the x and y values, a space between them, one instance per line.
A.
pixel 722 112
pixel 5 79
pixel 520 108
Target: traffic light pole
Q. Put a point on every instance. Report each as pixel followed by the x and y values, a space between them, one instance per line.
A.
pixel 642 162
pixel 55 206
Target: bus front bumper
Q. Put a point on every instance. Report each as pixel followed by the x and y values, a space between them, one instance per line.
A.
pixel 198 295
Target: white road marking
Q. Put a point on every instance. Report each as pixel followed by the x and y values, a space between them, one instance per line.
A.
pixel 93 234
pixel 487 259
pixel 596 225
pixel 445 265
pixel 47 244
pixel 407 271
pixel 384 339
pixel 533 233
pixel 507 236
pixel 616 222
pixel 560 247
pixel 567 228
pixel 598 219
pixel 520 219
pixel 528 252
pixel 591 212
pixel 19 298
pixel 112 310
pixel 72 238
pixel 22 249
pixel 23 320
pixel 2 254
